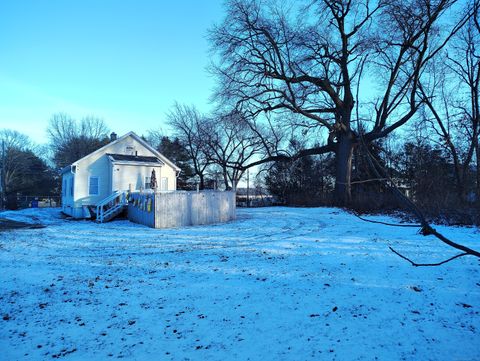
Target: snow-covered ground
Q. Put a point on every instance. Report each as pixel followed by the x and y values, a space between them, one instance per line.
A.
pixel 276 284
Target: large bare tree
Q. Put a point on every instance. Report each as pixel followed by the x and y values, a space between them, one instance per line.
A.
pixel 309 58
pixel 187 122
pixel 230 144
pixel 71 140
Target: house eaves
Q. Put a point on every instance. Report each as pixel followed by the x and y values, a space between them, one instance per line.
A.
pixel 137 138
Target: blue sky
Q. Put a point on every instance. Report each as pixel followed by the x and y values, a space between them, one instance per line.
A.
pixel 124 61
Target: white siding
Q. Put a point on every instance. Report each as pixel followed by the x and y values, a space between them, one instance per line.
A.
pixel 67 198
pixel 95 166
pixel 170 173
pixel 118 177
pixel 133 176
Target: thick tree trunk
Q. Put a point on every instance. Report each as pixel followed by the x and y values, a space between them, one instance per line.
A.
pixel 343 169
pixel 461 177
pixel 225 180
pixel 202 181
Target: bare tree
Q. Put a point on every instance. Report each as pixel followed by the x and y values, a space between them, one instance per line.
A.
pixel 93 127
pixel 71 140
pixel 23 171
pixel 13 144
pixel 187 123
pixel 230 144
pixel 62 128
pixel 309 60
pixel 453 104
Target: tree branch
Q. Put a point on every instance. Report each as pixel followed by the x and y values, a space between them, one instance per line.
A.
pixel 427 264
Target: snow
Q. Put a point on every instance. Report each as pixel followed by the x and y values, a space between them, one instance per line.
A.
pixel 277 283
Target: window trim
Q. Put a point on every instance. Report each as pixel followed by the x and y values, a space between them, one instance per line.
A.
pixel 89 185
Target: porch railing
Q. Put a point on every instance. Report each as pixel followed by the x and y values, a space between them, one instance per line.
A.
pixel 110 206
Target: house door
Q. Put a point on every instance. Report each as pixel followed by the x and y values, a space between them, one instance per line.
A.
pixel 116 178
pixel 164 184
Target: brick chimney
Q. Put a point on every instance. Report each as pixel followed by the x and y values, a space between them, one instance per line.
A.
pixel 113 136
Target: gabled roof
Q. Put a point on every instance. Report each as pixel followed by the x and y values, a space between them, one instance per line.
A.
pixel 138 139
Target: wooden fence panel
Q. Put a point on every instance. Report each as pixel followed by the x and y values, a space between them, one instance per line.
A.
pixel 141 208
pixel 178 209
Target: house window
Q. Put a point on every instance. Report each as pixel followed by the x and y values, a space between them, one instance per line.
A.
pixel 147 182
pixel 164 184
pixel 64 188
pixel 71 187
pixel 93 186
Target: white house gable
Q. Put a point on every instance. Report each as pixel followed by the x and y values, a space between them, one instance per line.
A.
pixel 124 164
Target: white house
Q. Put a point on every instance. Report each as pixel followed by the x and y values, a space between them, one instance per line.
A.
pixel 124 164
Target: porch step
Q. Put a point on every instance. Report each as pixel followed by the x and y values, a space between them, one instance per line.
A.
pixel 113 212
pixel 110 207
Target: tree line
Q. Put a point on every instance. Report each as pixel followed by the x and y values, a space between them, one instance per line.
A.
pixel 209 149
pixel 315 95
pixel 330 85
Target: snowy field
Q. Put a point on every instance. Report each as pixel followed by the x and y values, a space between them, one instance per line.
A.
pixel 276 284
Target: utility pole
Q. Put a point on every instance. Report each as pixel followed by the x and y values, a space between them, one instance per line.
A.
pixel 248 187
pixel 3 184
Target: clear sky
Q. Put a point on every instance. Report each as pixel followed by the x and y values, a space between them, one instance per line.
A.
pixel 124 61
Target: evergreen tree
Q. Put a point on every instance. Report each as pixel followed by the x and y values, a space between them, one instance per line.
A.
pixel 305 181
pixel 176 152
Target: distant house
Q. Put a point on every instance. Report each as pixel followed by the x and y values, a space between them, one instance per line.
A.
pixel 125 164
